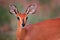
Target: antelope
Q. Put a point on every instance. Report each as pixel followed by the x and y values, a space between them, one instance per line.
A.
pixel 46 30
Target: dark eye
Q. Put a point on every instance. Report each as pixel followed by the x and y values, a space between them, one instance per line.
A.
pixel 26 18
pixel 18 18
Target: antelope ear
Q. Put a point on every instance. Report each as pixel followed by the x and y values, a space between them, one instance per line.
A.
pixel 13 9
pixel 31 9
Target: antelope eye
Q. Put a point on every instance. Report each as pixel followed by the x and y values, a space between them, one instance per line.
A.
pixel 18 18
pixel 26 18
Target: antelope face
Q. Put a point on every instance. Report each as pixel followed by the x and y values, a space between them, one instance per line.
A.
pixel 22 17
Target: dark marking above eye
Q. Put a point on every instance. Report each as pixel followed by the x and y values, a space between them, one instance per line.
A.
pixel 18 18
pixel 26 18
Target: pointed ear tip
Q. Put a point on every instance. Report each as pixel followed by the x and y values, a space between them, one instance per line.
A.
pixel 10 5
pixel 35 5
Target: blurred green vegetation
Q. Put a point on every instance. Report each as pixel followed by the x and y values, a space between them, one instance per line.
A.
pixel 4 17
pixel 45 1
pixel 55 12
pixel 20 7
pixel 4 36
pixel 28 0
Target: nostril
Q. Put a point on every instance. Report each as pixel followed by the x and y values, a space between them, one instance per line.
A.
pixel 23 25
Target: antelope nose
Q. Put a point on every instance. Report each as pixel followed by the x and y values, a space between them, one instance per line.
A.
pixel 23 25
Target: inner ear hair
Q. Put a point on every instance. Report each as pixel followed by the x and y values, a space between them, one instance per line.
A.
pixel 13 9
pixel 31 9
